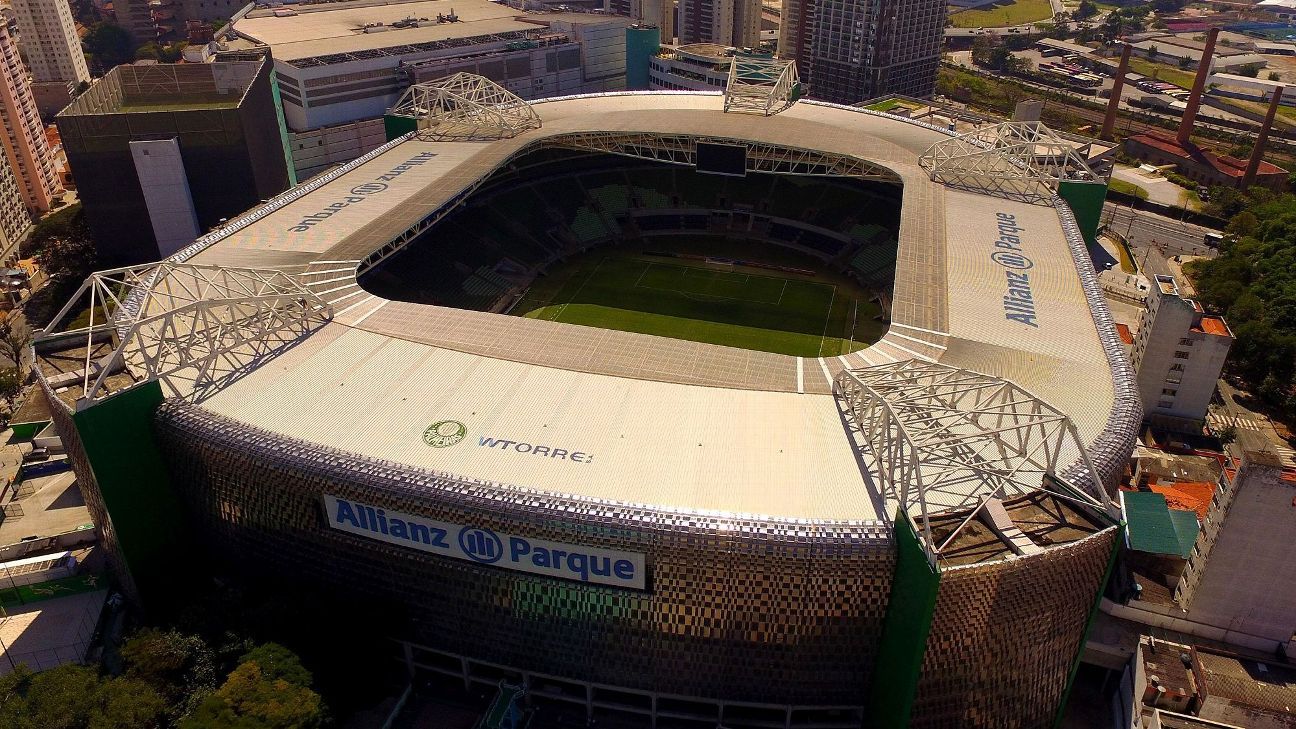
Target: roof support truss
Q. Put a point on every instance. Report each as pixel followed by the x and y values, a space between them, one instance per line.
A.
pixel 943 439
pixel 465 107
pixel 1017 160
pixel 681 149
pixel 191 326
pixel 760 85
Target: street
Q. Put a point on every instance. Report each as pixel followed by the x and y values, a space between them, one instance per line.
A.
pixel 1143 229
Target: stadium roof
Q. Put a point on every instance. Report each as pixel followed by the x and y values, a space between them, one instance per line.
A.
pixel 338 27
pixel 662 421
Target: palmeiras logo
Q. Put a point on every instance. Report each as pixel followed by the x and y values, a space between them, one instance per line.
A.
pixel 444 433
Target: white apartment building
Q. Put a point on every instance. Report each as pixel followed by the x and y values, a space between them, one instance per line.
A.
pixel 1178 354
pixel 48 38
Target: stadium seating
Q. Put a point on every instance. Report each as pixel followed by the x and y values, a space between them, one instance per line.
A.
pixel 551 203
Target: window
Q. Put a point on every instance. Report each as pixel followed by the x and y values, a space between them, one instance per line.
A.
pixel 1176 367
pixel 1165 404
pixel 1181 355
pixel 1170 392
pixel 1185 342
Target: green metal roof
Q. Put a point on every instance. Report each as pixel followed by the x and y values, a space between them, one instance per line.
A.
pixel 1156 528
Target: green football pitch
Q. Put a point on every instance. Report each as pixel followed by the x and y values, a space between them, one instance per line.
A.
pixel 704 302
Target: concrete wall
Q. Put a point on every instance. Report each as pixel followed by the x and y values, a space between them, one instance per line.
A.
pixel 1249 582
pixel 319 149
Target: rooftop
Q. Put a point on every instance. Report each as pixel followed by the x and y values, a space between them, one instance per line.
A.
pixel 393 27
pixel 165 87
pixel 656 416
pixel 1155 528
pixel 1222 163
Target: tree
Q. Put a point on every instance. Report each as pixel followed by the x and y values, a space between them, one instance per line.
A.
pixel 107 46
pixel 1275 76
pixel 170 53
pixel 1086 10
pixel 180 667
pixel 1227 434
pixel 1251 69
pixel 77 697
pixel 252 699
pixel 277 662
pixel 11 383
pixel 14 337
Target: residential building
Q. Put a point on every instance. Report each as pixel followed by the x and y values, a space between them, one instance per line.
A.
pixel 25 146
pixel 341 63
pixel 724 22
pixel 1178 354
pixel 168 20
pixel 850 50
pixel 15 221
pixel 163 152
pixel 48 37
pixel 1240 575
pixel 660 13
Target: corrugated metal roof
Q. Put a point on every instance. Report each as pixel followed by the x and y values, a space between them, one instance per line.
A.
pixel 1156 528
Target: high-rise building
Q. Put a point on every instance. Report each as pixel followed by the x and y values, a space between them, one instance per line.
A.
pixel 850 50
pixel 15 220
pixel 48 37
pixel 24 142
pixel 660 13
pixel 163 152
pixel 723 22
pixel 1179 353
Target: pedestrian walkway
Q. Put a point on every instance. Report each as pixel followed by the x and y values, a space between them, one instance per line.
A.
pixel 1220 419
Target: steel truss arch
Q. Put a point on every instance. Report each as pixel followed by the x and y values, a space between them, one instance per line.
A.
pixel 681 149
pixel 190 326
pixel 944 440
pixel 759 85
pixel 465 107
pixel 1023 161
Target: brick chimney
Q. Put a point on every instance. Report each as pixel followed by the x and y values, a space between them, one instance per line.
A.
pixel 1199 84
pixel 1109 121
pixel 1257 152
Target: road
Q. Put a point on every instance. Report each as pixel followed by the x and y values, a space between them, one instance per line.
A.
pixel 1144 229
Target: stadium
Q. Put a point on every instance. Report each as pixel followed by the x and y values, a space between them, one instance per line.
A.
pixel 683 409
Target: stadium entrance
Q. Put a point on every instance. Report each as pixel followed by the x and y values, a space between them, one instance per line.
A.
pixel 796 265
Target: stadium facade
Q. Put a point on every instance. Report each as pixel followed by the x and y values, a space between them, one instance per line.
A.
pixel 915 534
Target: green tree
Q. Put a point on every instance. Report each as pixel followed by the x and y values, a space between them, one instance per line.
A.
pixel 277 662
pixel 107 46
pixel 177 665
pixel 11 382
pixel 77 697
pixel 1251 69
pixel 1086 10
pixel 249 699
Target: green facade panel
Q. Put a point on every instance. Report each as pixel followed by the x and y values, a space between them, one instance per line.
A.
pixel 396 126
pixel 1086 201
pixel 117 436
pixel 912 604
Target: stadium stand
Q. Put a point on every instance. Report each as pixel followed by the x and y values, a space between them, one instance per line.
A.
pixel 530 214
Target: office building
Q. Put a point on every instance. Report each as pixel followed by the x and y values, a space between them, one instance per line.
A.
pixel 343 64
pixel 49 41
pixel 693 67
pixel 850 51
pixel 25 146
pixel 1178 354
pixel 164 152
pixel 724 22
